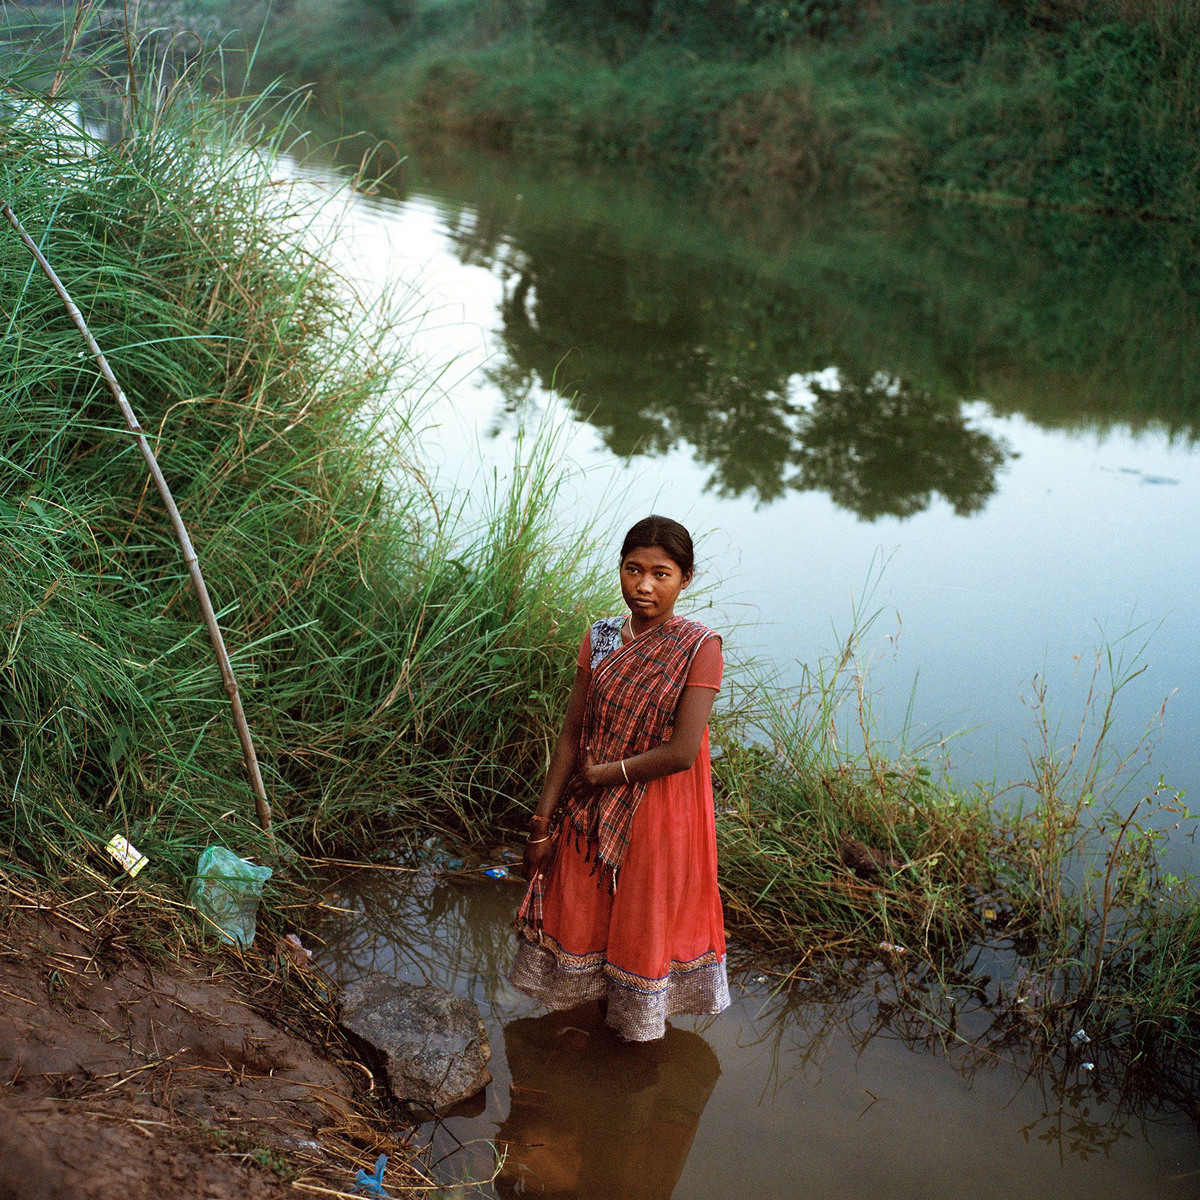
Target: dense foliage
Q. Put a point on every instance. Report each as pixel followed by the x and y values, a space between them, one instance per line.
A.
pixel 1059 102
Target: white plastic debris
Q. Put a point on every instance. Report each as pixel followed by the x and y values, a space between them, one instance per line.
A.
pixel 1080 1038
pixel 892 948
pixel 295 941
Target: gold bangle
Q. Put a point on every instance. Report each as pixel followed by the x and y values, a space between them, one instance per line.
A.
pixel 623 771
pixel 537 841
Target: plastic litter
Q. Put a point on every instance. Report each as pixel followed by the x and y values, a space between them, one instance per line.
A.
pixel 292 950
pixel 372 1185
pixel 1080 1038
pixel 293 940
pixel 1088 1066
pixel 304 1144
pixel 891 948
pixel 226 891
pixel 433 852
pixel 127 854
pixel 497 873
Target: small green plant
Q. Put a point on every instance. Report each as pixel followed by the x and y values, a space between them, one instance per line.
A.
pixel 239 1143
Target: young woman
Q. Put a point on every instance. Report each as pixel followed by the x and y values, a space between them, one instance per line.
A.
pixel 622 857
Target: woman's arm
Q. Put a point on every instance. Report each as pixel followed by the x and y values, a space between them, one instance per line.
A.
pixel 566 750
pixel 691 717
pixel 563 762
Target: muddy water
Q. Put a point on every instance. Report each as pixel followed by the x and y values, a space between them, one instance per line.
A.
pixel 980 425
pixel 828 1092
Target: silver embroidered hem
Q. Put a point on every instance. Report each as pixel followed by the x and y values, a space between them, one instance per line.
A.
pixel 638 1008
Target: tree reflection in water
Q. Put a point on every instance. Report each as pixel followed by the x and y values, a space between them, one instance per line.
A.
pixel 882 448
pixel 656 353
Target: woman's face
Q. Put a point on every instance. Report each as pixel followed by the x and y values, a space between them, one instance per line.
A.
pixel 651 582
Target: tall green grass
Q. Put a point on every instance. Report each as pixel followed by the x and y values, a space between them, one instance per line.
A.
pixel 399 665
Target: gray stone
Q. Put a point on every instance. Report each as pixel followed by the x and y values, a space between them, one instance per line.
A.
pixel 431 1041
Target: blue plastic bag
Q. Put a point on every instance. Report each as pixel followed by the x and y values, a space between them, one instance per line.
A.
pixel 372 1185
pixel 226 891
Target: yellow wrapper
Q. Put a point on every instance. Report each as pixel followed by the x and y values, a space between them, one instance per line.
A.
pixel 127 855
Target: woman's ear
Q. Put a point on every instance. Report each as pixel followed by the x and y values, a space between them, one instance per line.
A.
pixel 686 580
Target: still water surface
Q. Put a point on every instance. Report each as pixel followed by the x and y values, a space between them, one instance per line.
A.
pixel 830 1094
pixel 982 424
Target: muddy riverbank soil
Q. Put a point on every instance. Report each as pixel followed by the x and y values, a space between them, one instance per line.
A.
pixel 129 1076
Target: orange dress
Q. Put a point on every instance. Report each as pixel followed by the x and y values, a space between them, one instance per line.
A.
pixel 655 947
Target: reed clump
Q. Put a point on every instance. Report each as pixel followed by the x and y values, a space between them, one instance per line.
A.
pixel 399 663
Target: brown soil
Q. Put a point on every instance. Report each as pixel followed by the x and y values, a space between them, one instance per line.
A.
pixel 191 1077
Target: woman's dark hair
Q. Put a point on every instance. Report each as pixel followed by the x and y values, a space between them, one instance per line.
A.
pixel 662 533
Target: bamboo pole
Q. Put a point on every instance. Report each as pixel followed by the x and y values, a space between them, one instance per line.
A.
pixel 262 805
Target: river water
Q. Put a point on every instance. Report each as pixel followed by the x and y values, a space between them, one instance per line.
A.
pixel 831 1093
pixel 979 424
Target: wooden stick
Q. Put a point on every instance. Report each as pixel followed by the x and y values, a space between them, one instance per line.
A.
pixel 185 542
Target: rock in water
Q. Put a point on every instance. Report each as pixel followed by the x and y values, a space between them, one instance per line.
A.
pixel 431 1041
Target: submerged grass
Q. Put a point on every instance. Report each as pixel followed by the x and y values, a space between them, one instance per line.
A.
pixel 1048 900
pixel 404 669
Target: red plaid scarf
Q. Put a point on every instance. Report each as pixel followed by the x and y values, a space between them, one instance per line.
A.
pixel 630 709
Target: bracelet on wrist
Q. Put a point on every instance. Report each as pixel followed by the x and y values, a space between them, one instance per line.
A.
pixel 624 772
pixel 537 841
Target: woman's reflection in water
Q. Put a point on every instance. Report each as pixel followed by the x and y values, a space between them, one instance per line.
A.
pixel 593 1116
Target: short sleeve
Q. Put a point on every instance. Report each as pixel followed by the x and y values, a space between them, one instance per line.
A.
pixel 584 660
pixel 707 665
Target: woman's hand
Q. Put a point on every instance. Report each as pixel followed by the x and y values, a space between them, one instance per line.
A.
pixel 539 850
pixel 589 772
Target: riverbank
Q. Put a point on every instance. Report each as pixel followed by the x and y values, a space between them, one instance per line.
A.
pixel 132 1074
pixel 1088 107
pixel 404 674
